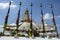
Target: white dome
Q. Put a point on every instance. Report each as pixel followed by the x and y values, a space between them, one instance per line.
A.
pixel 26 26
pixel 13 24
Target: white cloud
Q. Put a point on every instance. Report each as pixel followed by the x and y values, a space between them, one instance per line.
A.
pixel 13 6
pixel 5 5
pixel 59 16
pixel 47 16
pixel 11 1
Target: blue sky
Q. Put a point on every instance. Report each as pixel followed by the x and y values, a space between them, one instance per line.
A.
pixel 36 10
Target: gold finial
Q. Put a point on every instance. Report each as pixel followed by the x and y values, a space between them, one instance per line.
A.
pixel 40 4
pixel 51 6
pixel 31 4
pixel 20 3
pixel 10 3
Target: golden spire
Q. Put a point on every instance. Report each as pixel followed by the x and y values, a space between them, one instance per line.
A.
pixel 26 16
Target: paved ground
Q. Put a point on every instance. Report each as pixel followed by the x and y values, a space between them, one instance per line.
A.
pixel 23 38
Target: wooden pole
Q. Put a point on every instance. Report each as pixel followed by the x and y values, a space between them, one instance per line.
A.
pixel 18 17
pixel 42 20
pixel 53 19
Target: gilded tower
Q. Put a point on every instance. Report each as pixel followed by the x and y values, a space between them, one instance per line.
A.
pixel 26 16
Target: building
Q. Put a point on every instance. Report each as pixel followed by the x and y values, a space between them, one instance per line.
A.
pixel 24 28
